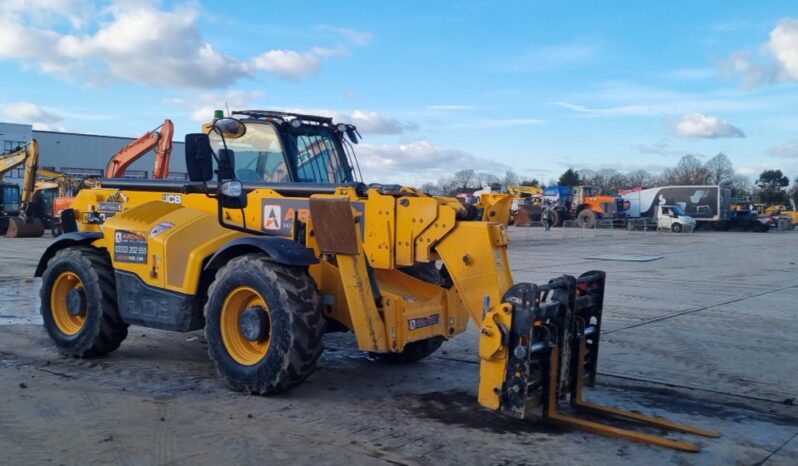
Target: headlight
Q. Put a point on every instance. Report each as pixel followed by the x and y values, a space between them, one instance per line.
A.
pixel 232 188
pixel 342 128
pixel 296 123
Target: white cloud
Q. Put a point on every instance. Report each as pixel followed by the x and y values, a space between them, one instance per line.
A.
pixel 367 122
pixel 288 64
pixel 417 161
pixel 776 61
pixel 661 148
pixel 623 99
pixel 48 12
pixel 139 42
pixel 692 74
pixel 552 56
pixel 201 106
pixel 451 107
pixel 374 123
pixel 42 118
pixel 352 36
pixel 698 125
pixel 784 45
pixel 787 150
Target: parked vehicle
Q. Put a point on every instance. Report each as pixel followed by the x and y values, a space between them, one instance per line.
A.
pixel 709 206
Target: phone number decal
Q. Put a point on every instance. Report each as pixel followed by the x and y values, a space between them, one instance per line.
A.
pixel 130 247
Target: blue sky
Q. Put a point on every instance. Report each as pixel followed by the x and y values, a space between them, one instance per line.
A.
pixel 434 86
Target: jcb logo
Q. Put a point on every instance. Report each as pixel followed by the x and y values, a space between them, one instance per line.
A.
pixel 173 198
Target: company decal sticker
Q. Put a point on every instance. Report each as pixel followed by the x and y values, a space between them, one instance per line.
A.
pixel 420 322
pixel 272 217
pixel 130 247
pixel 109 206
pixel 160 228
pixel 279 215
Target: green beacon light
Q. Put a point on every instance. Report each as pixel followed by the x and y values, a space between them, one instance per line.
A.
pixel 218 114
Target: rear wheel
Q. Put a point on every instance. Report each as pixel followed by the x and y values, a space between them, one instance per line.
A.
pixel 263 324
pixel 555 217
pixel 676 228
pixel 587 219
pixel 78 303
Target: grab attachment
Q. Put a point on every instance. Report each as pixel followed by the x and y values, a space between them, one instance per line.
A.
pixel 553 348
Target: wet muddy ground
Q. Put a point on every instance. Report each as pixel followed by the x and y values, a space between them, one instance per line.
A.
pixel 704 334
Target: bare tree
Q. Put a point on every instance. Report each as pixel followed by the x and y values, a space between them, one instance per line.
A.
pixel 638 178
pixel 464 179
pixel 740 185
pixel 720 169
pixel 688 171
pixel 510 179
pixel 432 188
pixel 482 179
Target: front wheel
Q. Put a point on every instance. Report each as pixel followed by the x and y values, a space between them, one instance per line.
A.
pixel 263 324
pixel 78 303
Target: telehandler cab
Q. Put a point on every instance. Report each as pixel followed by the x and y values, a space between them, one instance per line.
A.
pixel 286 244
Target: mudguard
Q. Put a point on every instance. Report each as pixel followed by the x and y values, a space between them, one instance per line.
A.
pixel 69 239
pixel 281 250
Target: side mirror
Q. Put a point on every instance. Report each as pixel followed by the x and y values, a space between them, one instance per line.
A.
pixel 199 157
pixel 227 164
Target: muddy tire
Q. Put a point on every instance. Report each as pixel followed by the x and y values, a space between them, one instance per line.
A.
pixel 263 324
pixel 78 303
pixel 587 219
pixel 417 350
pixel 555 217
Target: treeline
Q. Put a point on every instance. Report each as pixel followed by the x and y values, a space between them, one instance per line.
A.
pixel 771 186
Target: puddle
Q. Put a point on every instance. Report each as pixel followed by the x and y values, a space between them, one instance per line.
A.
pixel 19 301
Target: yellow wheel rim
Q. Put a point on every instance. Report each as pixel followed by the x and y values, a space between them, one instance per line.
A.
pixel 243 350
pixel 67 322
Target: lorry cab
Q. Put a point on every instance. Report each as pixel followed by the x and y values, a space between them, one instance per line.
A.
pixel 674 218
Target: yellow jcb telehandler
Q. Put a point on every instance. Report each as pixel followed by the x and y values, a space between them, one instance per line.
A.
pixel 284 243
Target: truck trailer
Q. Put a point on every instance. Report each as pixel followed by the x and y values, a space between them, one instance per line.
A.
pixel 709 205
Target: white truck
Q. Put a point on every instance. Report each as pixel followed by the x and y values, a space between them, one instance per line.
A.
pixel 707 205
pixel 674 218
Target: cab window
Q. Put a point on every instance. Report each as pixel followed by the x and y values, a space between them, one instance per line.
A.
pixel 259 155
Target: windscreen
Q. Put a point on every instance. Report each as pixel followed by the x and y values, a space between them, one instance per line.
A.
pixel 258 154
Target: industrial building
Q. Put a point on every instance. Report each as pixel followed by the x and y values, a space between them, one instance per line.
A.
pixel 81 155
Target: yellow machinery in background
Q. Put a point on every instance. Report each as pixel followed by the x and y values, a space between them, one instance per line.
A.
pixel 267 265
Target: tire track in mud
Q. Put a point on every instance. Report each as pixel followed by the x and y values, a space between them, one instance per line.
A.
pixel 164 438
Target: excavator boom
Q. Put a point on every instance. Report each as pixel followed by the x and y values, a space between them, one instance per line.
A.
pixel 12 160
pixel 161 141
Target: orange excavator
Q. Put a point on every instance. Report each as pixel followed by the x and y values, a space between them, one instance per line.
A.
pixel 161 141
pixel 159 138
